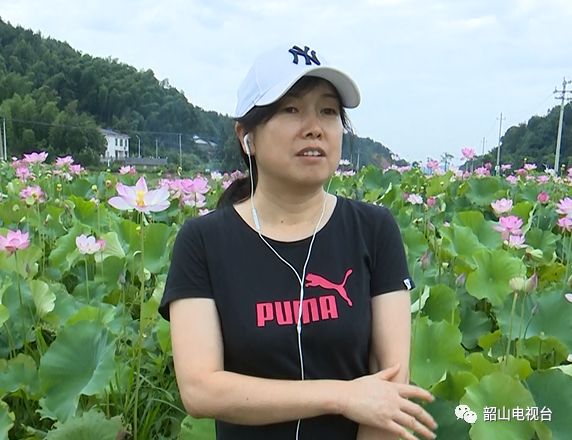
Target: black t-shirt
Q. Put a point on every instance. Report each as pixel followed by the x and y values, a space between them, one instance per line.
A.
pixel 356 255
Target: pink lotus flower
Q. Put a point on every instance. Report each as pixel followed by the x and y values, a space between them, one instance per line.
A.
pixel 204 211
pixel 415 199
pixel 565 207
pixel 482 172
pixel 23 173
pixel 506 166
pixel 127 169
pixel 512 179
pixel 529 166
pixel 516 241
pixel 468 153
pixel 140 198
pixel 62 162
pixel 508 226
pixel 88 245
pixel 14 240
pixel 76 169
pixel 35 157
pixel 543 197
pixel 543 179
pixel 432 164
pixel 431 201
pixel 565 223
pixel 32 194
pixel 501 206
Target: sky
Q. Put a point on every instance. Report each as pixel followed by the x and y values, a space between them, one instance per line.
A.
pixel 434 76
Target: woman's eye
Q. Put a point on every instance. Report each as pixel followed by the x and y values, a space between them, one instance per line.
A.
pixel 331 111
pixel 290 109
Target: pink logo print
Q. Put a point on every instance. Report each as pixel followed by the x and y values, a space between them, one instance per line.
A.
pixel 313 280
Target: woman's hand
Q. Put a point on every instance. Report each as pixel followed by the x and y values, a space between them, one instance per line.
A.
pixel 377 402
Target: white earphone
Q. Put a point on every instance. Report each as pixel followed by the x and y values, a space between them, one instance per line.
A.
pixel 247 143
pixel 246 140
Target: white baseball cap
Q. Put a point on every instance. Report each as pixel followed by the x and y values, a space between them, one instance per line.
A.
pixel 275 71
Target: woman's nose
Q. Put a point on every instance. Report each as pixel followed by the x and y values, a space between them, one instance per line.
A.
pixel 312 125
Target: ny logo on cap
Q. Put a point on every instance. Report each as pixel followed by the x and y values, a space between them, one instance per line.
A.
pixel 310 57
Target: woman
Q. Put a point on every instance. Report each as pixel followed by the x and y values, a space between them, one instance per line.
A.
pixel 284 298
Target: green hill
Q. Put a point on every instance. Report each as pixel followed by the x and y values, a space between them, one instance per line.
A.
pixel 54 98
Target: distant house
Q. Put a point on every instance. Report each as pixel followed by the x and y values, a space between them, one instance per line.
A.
pixel 202 142
pixel 117 144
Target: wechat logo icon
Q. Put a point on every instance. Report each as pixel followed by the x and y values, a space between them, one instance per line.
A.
pixel 465 413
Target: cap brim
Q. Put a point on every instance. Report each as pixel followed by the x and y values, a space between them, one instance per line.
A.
pixel 346 87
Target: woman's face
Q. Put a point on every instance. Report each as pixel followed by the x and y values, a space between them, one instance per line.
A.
pixel 301 144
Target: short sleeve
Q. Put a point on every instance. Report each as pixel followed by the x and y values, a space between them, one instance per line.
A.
pixel 188 275
pixel 390 271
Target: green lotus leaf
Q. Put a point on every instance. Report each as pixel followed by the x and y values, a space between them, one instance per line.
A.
pixel 112 247
pixel 482 229
pixel 157 239
pixel 19 373
pixel 163 335
pixel 79 187
pixel 480 365
pixel 373 178
pixel 79 361
pixel 484 190
pixel 491 278
pixel 552 389
pixel 543 240
pixel 196 429
pixel 4 314
pixel 524 210
pixel 65 253
pixel 438 184
pixel 53 222
pixel 91 425
pixel 414 241
pixel 488 340
pixel 552 273
pixel 474 324
pixel 442 304
pixel 502 393
pixel 27 261
pixel 44 299
pixel 129 235
pixel 543 351
pixel 545 314
pixel 460 241
pixel 19 329
pixel 443 411
pixel 110 272
pixel 453 386
pixel 6 420
pixel 431 360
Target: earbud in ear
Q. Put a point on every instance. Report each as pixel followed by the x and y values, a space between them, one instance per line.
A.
pixel 247 143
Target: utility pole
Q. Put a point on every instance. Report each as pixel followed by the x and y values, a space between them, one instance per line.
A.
pixel 562 98
pixel 483 153
pixel 156 149
pixel 180 153
pixel 138 145
pixel 498 149
pixel 4 151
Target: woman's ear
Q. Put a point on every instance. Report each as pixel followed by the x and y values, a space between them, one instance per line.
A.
pixel 243 137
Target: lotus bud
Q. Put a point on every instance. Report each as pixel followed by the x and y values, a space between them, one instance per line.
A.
pixel 94 188
pixel 15 208
pixel 425 260
pixel 531 283
pixel 108 183
pixel 535 254
pixel 58 187
pixel 517 284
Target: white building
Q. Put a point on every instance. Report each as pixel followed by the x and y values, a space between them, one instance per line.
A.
pixel 117 144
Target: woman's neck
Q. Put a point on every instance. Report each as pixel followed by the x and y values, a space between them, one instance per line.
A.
pixel 281 209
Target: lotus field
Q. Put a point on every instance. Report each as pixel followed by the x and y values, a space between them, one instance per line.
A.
pixel 84 257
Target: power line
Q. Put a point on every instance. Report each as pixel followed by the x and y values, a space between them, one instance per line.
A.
pixel 562 98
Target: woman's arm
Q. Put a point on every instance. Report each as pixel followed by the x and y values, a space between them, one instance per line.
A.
pixel 209 391
pixel 391 341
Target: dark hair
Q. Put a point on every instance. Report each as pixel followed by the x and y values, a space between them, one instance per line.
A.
pixel 239 190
